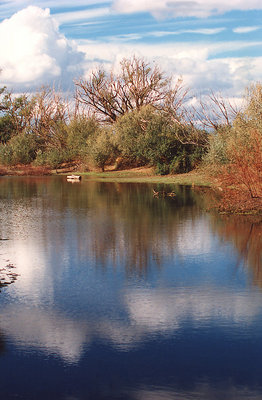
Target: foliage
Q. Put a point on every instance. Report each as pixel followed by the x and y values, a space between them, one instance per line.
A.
pixel 101 148
pixel 245 155
pixel 147 136
pixel 6 128
pixel 236 150
pixel 52 157
pixel 217 155
pixel 162 169
pixel 19 149
pixel 79 129
pixel 16 114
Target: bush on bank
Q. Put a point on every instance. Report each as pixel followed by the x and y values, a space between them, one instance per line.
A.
pixel 148 137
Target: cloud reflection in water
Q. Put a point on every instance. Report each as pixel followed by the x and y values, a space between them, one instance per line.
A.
pixel 149 312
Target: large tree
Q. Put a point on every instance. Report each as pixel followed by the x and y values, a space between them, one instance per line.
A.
pixel 136 85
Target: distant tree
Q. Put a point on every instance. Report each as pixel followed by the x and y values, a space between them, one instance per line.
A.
pixel 50 115
pixel 16 113
pixel 138 84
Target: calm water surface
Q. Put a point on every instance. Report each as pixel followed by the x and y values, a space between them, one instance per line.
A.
pixel 121 295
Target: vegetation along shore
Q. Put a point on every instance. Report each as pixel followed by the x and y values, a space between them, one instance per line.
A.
pixel 138 125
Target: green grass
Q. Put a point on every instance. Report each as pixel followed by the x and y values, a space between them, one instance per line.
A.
pixel 194 177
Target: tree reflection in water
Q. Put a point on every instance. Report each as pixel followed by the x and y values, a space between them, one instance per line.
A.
pixel 131 228
pixel 64 235
pixel 123 223
pixel 246 235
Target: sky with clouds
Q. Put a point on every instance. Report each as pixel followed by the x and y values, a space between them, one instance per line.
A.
pixel 213 44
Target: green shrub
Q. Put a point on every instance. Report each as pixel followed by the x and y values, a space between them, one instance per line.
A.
pixel 101 149
pixel 6 128
pixel 52 157
pixel 146 136
pixel 6 154
pixel 78 132
pixel 217 150
pixel 162 169
pixel 21 149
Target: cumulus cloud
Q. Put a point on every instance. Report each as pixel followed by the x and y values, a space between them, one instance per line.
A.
pixel 184 8
pixel 34 51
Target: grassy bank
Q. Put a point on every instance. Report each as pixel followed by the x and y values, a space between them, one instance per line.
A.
pixel 146 175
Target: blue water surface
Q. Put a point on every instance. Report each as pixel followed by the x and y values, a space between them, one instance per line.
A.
pixel 122 295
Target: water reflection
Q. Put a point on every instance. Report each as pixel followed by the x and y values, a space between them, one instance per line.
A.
pixel 149 313
pixel 246 235
pixel 2 343
pixel 146 297
pixel 201 392
pixel 116 222
pixel 46 330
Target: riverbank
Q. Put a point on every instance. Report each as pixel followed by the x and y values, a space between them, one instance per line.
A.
pixel 227 200
pixel 147 175
pixel 24 170
pixel 140 174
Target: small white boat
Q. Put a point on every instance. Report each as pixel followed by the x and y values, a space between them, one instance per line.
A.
pixel 73 177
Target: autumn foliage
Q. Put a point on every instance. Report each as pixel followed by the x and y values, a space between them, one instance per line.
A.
pixel 235 154
pixel 245 167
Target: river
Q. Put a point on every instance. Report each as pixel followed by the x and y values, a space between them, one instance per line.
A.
pixel 120 294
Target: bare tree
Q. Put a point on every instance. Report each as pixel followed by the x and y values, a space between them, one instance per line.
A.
pixel 138 84
pixel 215 112
pixel 51 112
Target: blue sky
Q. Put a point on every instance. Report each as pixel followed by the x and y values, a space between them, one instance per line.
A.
pixel 213 44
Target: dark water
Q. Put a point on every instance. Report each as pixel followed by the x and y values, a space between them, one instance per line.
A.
pixel 121 295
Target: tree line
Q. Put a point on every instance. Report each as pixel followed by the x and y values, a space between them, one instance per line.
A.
pixel 138 116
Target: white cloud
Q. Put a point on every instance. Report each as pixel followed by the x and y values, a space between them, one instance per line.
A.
pixel 205 31
pixel 246 29
pixel 19 4
pixel 83 15
pixel 34 51
pixel 199 64
pixel 139 36
pixel 184 8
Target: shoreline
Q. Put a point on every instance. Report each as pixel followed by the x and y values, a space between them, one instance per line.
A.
pixel 235 201
pixel 139 174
